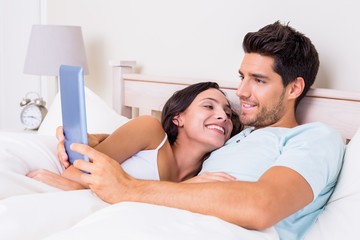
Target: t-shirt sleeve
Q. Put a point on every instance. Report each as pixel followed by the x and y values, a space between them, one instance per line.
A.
pixel 314 151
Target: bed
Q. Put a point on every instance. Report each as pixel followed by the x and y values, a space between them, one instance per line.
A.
pixel 33 210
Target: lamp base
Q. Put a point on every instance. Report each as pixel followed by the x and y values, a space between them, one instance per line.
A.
pixel 49 88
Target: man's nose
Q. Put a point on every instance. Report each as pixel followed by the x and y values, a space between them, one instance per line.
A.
pixel 243 90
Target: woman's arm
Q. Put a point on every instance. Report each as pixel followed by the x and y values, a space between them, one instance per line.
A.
pixel 141 133
pixel 211 177
pixel 58 181
pixel 96 139
pixel 138 134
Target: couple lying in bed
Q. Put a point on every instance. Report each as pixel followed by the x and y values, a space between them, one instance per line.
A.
pixel 273 173
pixel 195 121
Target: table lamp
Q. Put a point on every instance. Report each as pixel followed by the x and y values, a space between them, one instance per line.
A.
pixel 53 45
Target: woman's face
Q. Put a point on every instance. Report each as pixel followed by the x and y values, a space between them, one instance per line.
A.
pixel 207 120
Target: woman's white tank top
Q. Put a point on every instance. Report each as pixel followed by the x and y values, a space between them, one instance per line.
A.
pixel 143 165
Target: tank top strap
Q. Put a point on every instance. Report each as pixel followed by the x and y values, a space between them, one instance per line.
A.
pixel 162 142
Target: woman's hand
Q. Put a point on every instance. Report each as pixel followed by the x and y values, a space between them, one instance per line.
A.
pixel 211 177
pixel 62 155
pixel 93 140
pixel 54 180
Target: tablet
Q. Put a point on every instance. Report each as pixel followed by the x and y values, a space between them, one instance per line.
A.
pixel 73 109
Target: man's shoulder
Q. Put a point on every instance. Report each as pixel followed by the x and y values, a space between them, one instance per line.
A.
pixel 317 136
pixel 310 132
pixel 318 128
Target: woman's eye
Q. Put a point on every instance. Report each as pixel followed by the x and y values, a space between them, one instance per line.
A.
pixel 208 106
pixel 228 114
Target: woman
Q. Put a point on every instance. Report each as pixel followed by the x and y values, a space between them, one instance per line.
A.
pixel 194 122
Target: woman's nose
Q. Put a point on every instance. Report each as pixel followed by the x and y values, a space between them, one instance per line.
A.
pixel 221 114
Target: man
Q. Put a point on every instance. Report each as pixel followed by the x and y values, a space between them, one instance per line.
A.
pixel 285 171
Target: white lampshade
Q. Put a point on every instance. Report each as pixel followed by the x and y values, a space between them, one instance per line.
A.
pixel 53 45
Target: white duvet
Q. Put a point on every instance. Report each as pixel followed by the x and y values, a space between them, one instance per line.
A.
pixel 32 210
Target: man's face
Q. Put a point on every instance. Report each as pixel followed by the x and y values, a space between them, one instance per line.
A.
pixel 261 92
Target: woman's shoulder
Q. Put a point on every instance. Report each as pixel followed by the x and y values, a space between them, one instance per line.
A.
pixel 147 121
pixel 149 127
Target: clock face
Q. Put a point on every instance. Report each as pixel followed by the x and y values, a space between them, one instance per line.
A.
pixel 31 116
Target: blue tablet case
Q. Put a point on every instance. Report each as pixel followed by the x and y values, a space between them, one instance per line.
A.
pixel 73 108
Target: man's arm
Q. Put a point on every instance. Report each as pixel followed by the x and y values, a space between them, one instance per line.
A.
pixel 255 205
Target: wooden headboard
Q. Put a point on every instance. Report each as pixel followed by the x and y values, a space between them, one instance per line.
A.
pixel 142 94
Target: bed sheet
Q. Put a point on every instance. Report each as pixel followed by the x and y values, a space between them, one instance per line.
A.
pixel 139 221
pixel 30 209
pixel 21 153
pixel 33 210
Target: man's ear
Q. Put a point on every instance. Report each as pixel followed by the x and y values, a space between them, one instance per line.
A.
pixel 296 87
pixel 178 121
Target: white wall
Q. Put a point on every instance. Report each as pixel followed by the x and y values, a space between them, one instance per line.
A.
pixel 16 18
pixel 202 38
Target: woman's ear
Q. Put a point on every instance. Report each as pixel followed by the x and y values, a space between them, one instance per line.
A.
pixel 296 88
pixel 178 121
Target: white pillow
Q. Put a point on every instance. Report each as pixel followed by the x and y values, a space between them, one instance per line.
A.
pixel 340 219
pixel 100 117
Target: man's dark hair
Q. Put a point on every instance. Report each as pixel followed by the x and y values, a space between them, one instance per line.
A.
pixel 293 53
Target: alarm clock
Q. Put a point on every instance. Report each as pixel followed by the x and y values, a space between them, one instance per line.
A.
pixel 33 112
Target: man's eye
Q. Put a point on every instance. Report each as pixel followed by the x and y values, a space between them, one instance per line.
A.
pixel 259 81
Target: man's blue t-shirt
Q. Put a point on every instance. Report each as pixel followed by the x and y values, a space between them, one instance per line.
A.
pixel 313 150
